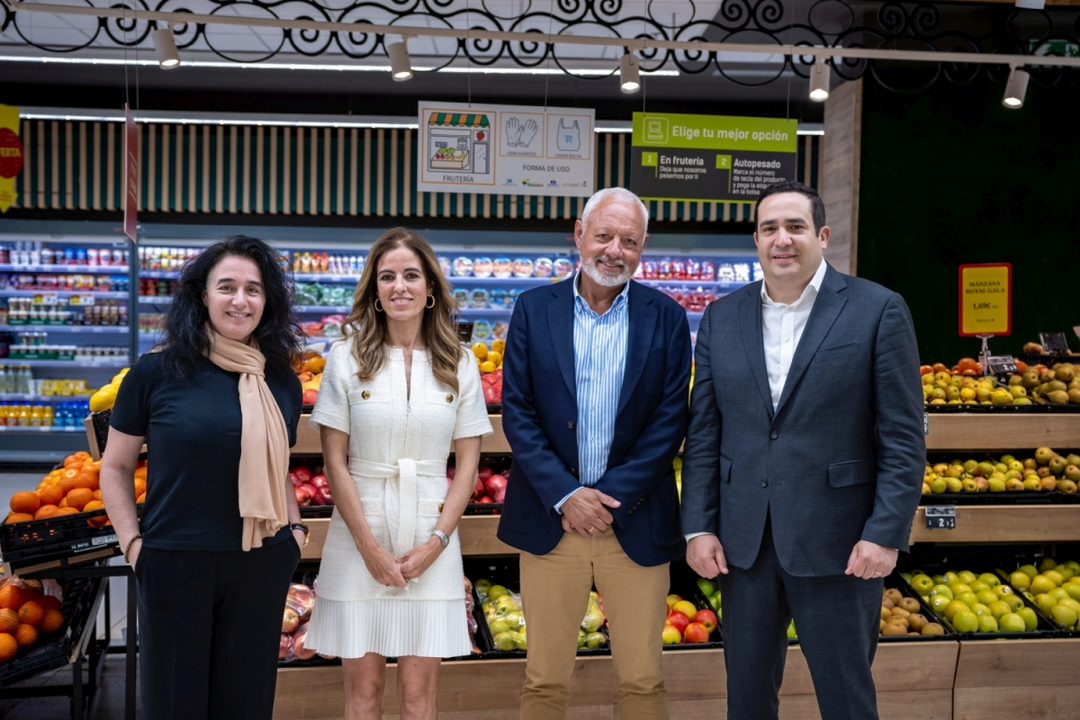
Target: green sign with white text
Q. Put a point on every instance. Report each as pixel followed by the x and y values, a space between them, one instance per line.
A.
pixel 710 157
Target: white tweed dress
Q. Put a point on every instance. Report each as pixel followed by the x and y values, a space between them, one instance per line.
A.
pixel 398 447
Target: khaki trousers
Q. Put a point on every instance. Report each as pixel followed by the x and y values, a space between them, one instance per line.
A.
pixel 555 594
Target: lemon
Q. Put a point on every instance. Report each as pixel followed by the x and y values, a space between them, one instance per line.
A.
pixel 487 366
pixel 498 346
pixel 103 399
pixel 495 358
pixel 480 350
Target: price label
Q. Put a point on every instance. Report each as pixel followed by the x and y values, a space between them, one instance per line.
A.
pixel 81 299
pixel 1001 364
pixel 925 424
pixel 45 299
pixel 1054 343
pixel 941 517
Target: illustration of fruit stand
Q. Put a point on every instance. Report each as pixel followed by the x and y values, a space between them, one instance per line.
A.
pixel 459 141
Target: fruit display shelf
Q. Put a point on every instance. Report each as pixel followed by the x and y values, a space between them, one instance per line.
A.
pixel 696 682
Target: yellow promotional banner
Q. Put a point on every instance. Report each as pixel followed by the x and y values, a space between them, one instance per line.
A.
pixel 986 299
pixel 11 155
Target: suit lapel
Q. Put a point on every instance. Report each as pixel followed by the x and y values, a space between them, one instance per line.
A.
pixel 641 321
pixel 754 342
pixel 827 308
pixel 561 329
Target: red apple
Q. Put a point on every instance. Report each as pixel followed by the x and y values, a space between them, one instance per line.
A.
pixel 478 489
pixel 299 639
pixel 485 473
pixel 696 633
pixel 310 396
pixel 304 494
pixel 500 495
pixel 678 619
pixel 706 618
pixel 323 497
pixel 671 600
pixel 303 472
pixel 451 471
pixel 493 485
pixel 295 480
pixel 671 635
pixel 490 397
pixel 485 500
pixel 319 481
pixel 284 647
pixel 290 621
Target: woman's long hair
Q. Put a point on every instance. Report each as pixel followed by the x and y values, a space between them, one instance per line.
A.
pixel 186 342
pixel 367 327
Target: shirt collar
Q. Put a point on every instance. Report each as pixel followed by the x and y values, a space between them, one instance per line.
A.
pixel 811 290
pixel 623 297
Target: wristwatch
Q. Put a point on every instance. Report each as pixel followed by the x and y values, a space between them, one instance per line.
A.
pixel 304 529
pixel 443 537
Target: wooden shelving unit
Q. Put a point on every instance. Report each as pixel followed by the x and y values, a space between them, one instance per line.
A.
pixel 931 680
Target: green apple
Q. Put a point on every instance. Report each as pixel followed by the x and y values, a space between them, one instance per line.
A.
pixel 990 579
pixel 987 623
pixel 706 587
pixel 942 590
pixel 1031 620
pixel 1011 622
pixel 966 621
pixel 922 584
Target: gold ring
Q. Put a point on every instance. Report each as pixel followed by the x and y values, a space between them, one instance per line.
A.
pixel 592 529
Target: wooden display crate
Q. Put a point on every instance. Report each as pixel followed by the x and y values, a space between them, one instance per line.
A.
pixel 1010 679
pixel 696 681
pixel 1013 431
pixel 1004 524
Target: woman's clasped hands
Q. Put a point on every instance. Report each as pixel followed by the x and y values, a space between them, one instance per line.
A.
pixel 397 572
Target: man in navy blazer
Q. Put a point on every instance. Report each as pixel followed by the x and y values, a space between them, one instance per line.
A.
pixel 803 463
pixel 595 408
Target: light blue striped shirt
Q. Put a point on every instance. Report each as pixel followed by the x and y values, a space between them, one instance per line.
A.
pixel 599 366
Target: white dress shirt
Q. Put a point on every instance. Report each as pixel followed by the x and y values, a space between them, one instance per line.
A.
pixel 781 328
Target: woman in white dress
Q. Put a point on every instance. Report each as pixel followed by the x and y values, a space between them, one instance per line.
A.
pixel 396 392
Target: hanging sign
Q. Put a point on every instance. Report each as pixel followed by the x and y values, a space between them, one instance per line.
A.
pixel 11 155
pixel 496 149
pixel 986 299
pixel 710 157
pixel 131 175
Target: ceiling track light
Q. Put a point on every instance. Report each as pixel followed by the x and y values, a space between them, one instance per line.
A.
pixel 1016 88
pixel 629 74
pixel 400 63
pixel 819 81
pixel 165 47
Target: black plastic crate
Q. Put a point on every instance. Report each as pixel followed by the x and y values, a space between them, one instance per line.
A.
pixel 1008 497
pixel 54 538
pixel 1044 629
pixel 79 609
pixel 684 584
pixel 1033 409
pixel 895 581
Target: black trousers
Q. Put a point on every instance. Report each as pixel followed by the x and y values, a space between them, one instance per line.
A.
pixel 209 626
pixel 836 618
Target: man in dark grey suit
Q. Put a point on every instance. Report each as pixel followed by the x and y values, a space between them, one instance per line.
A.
pixel 803 462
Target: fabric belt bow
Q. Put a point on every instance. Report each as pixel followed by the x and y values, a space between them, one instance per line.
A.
pixel 401 498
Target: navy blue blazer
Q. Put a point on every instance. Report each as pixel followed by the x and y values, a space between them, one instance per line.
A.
pixel 540 414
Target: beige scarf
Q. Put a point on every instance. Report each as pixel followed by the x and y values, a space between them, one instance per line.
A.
pixel 264 441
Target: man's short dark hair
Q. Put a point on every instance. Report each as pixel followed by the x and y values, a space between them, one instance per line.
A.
pixel 817 207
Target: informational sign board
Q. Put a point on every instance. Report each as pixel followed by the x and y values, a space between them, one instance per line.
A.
pixel 11 155
pixel 131 175
pixel 985 299
pixel 495 149
pixel 710 157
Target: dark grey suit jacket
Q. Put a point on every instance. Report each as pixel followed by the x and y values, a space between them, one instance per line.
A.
pixel 842 457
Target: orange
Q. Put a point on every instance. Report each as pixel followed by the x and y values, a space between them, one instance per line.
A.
pixel 87 479
pixel 26 635
pixel 10 597
pixel 97 494
pixel 68 478
pixel 82 456
pixel 140 473
pixel 49 602
pixel 8 647
pixel 140 487
pixel 62 505
pixel 100 520
pixel 45 511
pixel 50 495
pixel 9 620
pixel 25 501
pixel 19 517
pixel 939 367
pixel 31 613
pixel 65 510
pixel 78 498
pixel 52 621
pixel 140 499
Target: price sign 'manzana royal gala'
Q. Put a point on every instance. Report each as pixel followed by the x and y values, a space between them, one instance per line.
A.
pixel 986 299
pixel 11 155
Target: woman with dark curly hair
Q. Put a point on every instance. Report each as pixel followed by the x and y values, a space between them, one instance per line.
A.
pixel 220 533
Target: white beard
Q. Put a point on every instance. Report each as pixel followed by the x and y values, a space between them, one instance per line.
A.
pixel 600 277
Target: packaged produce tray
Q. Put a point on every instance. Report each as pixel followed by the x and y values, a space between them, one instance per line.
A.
pixel 80 604
pixel 54 538
pixel 1044 629
pixel 505 572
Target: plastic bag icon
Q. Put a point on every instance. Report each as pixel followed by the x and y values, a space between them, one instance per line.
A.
pixel 568 138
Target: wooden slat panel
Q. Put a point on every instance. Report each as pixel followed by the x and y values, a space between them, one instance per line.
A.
pixel 246 175
pixel 287 183
pixel 205 206
pixel 42 200
pixel 273 171
pixel 327 162
pixel 380 174
pixel 219 170
pixel 840 173
pixel 25 199
pixel 260 168
pixel 340 171
pixel 408 187
pixel 96 197
pixel 1002 432
pixel 150 158
pixel 1004 523
pixel 366 187
pixel 301 203
pixel 354 193
pixel 54 201
pixel 1008 679
pixel 234 181
pixel 69 165
pixel 166 157
pixel 83 171
pixel 1012 702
